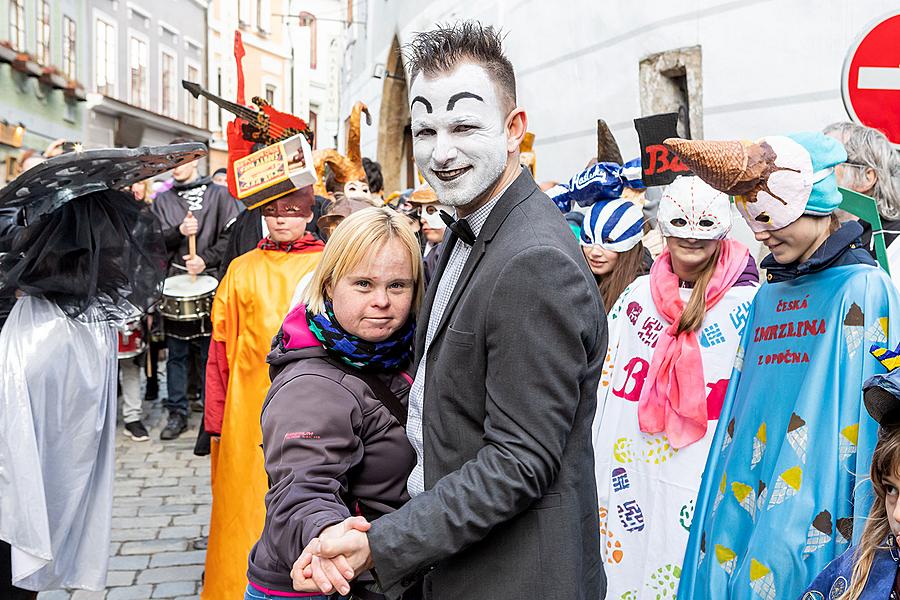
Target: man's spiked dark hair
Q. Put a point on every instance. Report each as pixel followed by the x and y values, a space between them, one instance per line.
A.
pixel 442 49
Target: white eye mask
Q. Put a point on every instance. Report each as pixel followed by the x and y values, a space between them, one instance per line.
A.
pixel 357 190
pixel 431 215
pixel 691 209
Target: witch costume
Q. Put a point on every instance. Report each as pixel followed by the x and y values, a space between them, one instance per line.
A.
pixel 86 259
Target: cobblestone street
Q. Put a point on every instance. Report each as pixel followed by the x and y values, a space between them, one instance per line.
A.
pixel 160 509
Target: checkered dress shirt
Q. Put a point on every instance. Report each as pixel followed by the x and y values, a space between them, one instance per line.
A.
pixel 416 482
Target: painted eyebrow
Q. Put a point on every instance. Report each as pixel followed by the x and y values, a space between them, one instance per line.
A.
pixel 424 102
pixel 457 97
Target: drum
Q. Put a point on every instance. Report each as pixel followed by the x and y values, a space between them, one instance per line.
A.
pixel 186 306
pixel 131 337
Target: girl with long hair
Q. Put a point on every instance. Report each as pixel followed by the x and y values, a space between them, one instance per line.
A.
pixel 868 569
pixel 611 242
pixel 673 335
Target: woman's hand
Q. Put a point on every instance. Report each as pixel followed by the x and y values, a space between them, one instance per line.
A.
pixel 312 573
pixel 300 581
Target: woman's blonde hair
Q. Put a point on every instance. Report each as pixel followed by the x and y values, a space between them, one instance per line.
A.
pixel 357 237
pixel 695 309
pixel 885 462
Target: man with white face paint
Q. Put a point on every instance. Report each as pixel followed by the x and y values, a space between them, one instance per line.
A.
pixel 509 347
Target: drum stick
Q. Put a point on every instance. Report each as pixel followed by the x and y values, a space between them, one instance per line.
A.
pixel 192 250
pixel 192 246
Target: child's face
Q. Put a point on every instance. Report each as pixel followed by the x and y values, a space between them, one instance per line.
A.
pixel 891 505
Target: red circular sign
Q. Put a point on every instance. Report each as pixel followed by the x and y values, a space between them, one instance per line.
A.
pixel 871 79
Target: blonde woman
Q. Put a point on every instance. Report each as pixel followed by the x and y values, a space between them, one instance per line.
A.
pixel 333 420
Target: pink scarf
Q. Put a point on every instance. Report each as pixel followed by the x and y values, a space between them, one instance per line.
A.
pixel 674 400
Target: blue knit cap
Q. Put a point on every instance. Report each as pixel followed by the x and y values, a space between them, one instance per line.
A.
pixel 825 152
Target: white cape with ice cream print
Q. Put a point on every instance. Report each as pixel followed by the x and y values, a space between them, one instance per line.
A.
pixel 646 488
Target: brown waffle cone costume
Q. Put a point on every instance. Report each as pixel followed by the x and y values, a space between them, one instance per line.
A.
pixel 345 168
pixel 720 164
pixel 607 147
pixel 733 167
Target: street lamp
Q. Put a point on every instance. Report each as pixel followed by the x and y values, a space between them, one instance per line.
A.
pixel 381 71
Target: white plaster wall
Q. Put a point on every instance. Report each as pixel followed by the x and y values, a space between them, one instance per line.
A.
pixel 769 66
pixel 319 87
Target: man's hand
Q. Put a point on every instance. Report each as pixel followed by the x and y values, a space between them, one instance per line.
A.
pixel 326 574
pixel 195 264
pixel 189 226
pixel 55 148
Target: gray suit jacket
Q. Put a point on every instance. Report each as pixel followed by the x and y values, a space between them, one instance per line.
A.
pixel 510 507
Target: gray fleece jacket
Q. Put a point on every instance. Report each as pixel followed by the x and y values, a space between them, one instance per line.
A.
pixel 332 450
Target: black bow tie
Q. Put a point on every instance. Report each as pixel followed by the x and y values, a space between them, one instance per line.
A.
pixel 460 227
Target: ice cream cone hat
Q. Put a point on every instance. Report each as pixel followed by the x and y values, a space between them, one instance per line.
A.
pixel 774 180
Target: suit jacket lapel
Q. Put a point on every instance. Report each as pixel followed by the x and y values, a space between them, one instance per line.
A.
pixel 516 193
pixel 469 268
pixel 430 293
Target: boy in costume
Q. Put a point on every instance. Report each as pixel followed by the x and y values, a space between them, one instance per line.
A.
pixel 250 304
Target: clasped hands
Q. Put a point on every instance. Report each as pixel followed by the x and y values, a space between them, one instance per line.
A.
pixel 330 561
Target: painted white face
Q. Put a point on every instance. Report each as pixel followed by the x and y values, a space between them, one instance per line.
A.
pixel 459 133
pixel 691 209
pixel 357 190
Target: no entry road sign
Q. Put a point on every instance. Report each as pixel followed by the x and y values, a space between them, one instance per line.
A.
pixel 871 79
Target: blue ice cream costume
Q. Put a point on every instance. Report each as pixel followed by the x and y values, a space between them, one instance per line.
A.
pixel 787 471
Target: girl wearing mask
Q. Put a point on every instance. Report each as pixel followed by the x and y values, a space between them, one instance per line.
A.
pixel 673 335
pixel 785 480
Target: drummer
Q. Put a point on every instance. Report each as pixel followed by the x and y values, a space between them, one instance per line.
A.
pixel 250 304
pixel 194 206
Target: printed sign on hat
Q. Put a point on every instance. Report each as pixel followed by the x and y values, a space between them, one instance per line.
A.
pixel 274 171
